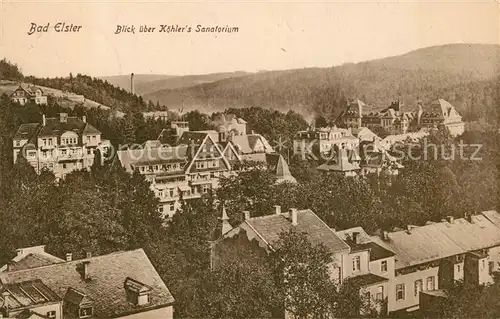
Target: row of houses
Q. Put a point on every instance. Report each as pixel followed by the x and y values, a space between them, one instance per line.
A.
pixel 187 169
pixel 38 285
pixel 195 163
pixel 398 118
pixel 394 269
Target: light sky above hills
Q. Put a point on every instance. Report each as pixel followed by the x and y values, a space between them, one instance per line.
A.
pixel 278 35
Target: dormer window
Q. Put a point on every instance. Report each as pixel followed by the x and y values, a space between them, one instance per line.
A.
pixel 78 304
pixel 137 292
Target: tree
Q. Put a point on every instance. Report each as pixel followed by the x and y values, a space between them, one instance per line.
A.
pixel 302 275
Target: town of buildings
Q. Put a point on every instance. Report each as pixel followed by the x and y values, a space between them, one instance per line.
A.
pixel 397 118
pixel 37 285
pixel 61 144
pixel 198 159
pixel 395 269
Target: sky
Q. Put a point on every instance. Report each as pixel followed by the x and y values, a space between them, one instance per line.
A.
pixel 271 35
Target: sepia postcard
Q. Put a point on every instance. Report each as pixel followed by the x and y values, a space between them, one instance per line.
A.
pixel 249 159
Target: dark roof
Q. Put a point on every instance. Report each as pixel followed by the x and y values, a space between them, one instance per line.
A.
pixel 366 280
pixel 105 287
pixel 269 227
pixel 54 126
pixel 28 293
pixel 192 138
pixel 26 131
pixel 153 156
pixel 377 252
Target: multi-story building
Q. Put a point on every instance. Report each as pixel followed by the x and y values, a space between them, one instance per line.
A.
pixel 193 166
pixel 321 141
pixel 368 159
pixel 397 119
pixel 61 145
pixel 156 115
pixel 24 94
pixel 392 268
pixel 119 285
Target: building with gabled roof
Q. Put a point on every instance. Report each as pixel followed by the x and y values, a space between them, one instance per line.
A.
pixel 61 144
pixel 30 257
pixel 26 93
pixel 118 285
pixel 397 118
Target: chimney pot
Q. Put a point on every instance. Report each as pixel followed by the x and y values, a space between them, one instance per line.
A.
pixel 69 257
pixel 355 237
pixel 86 270
pixel 44 120
pixel 246 215
pixel 278 209
pixel 450 219
pixel 63 117
pixel 293 216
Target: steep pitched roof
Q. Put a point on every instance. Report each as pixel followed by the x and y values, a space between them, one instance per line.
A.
pixel 27 131
pixel 105 287
pixel 277 164
pixel 447 239
pixel 269 227
pixel 249 143
pixel 31 257
pixel 54 127
pixel 364 242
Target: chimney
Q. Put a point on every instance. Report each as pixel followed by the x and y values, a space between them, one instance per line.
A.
pixel 132 83
pixel 63 117
pixel 409 228
pixel 44 120
pixel 468 217
pixel 84 119
pixel 69 257
pixel 293 216
pixel 88 254
pixel 355 237
pixel 6 301
pixel 277 209
pixel 450 219
pixel 86 270
pixel 246 215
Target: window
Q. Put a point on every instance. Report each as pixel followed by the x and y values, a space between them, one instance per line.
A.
pixel 63 152
pixel 458 268
pixel 482 264
pixel 18 143
pixel 160 208
pixel 383 266
pixel 64 166
pixel 430 283
pixel 50 141
pixel 400 292
pixel 160 193
pixel 380 293
pixel 172 207
pixel 51 314
pixel 142 168
pixel 51 165
pixel 93 138
pixel 418 287
pixel 89 151
pixel 356 263
pixel 44 142
pixel 85 312
pixel 206 188
pixel 88 138
pixel 491 265
pixel 44 153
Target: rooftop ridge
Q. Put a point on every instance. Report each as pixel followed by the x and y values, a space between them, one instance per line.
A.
pixel 76 261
